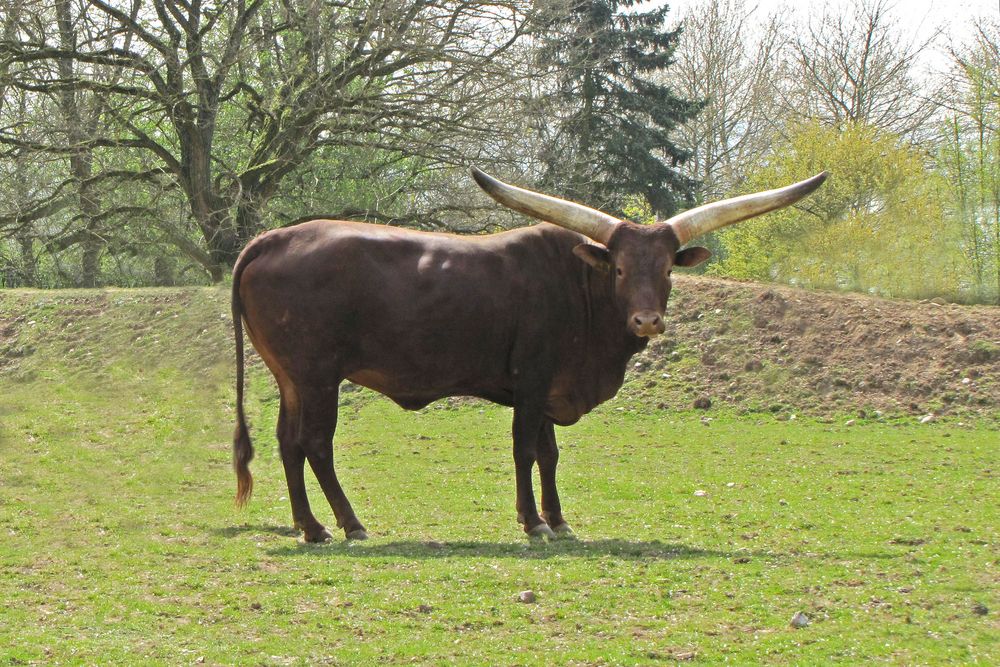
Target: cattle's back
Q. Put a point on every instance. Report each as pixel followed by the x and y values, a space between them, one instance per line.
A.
pixel 416 316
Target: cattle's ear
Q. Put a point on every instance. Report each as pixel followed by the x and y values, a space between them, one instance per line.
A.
pixel 595 255
pixel 692 256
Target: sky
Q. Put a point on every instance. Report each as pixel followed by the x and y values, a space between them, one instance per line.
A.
pixel 918 15
pixel 918 18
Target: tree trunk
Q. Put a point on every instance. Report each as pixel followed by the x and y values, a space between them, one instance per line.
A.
pixel 81 161
pixel 29 265
pixel 163 272
pixel 90 263
pixel 223 246
pixel 248 221
pixel 211 211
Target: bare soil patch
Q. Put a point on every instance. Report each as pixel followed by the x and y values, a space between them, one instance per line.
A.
pixel 728 345
pixel 786 350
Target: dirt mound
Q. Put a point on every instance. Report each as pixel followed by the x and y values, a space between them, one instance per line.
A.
pixel 784 350
pixel 741 346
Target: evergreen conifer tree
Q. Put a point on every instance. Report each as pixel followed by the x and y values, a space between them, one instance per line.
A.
pixel 607 132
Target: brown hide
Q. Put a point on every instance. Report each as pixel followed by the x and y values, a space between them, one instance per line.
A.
pixel 419 316
pixel 541 319
pixel 537 318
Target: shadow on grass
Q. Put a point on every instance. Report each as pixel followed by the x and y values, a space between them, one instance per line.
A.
pixel 621 549
pixel 533 549
pixel 654 550
pixel 234 531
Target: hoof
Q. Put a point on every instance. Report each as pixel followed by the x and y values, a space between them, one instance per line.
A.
pixel 322 535
pixel 541 531
pixel 564 532
pixel 357 535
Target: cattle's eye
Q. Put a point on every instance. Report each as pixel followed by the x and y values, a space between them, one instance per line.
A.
pixel 620 272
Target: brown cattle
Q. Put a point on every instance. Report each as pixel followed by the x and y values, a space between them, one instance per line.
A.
pixel 543 319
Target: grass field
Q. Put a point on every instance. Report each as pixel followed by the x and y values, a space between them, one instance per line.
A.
pixel 120 542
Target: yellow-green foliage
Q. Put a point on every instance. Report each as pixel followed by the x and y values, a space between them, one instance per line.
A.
pixel 637 209
pixel 877 224
pixel 969 158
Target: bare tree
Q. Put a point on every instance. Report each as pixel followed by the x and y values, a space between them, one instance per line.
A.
pixel 29 182
pixel 222 102
pixel 729 58
pixel 969 151
pixel 81 112
pixel 857 67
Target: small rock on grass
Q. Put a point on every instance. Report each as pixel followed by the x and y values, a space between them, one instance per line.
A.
pixel 700 493
pixel 527 597
pixel 927 419
pixel 800 620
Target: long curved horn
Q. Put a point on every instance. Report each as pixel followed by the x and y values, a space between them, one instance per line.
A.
pixel 704 219
pixel 579 218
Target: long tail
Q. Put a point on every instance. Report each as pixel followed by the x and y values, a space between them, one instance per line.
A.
pixel 242 447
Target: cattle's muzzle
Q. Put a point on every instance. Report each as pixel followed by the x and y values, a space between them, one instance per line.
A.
pixel 647 323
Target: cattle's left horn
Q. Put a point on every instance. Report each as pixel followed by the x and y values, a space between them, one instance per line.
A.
pixel 704 219
pixel 587 221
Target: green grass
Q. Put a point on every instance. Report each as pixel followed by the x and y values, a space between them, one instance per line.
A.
pixel 120 542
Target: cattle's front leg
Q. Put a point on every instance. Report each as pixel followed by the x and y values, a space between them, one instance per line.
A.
pixel 548 459
pixel 527 427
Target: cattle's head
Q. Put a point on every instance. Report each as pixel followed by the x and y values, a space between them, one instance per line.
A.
pixel 639 258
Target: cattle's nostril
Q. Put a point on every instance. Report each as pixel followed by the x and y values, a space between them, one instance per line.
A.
pixel 655 320
pixel 638 320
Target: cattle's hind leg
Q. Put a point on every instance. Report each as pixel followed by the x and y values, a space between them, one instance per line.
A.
pixel 293 459
pixel 548 459
pixel 318 421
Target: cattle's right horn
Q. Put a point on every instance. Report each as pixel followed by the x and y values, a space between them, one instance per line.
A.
pixel 704 219
pixel 587 221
